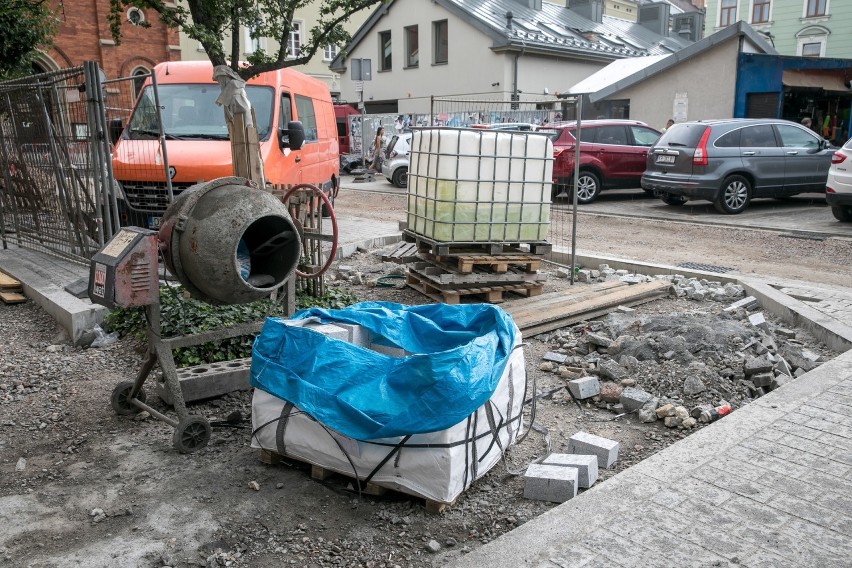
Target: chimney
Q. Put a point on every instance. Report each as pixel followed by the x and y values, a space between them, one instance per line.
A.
pixel 589 9
pixel 534 4
pixel 655 17
pixel 689 25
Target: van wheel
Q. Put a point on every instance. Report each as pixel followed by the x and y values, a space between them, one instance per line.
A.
pixel 734 196
pixel 674 200
pixel 400 177
pixel 842 213
pixel 589 187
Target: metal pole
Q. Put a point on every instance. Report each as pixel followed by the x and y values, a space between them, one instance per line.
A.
pixel 162 133
pixel 578 124
pixel 94 151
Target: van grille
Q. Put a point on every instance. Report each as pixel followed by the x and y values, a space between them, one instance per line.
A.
pixel 151 197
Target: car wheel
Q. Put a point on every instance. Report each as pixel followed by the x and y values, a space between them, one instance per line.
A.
pixel 842 213
pixel 400 177
pixel 674 200
pixel 589 187
pixel 734 196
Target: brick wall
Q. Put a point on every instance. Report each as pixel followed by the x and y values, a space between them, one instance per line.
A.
pixel 84 35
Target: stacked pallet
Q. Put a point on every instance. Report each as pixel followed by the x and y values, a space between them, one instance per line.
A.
pixel 11 290
pixel 450 272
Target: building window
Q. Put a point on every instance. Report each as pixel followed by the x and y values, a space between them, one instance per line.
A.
pixel 136 16
pixel 811 49
pixel 441 38
pixel 811 41
pixel 727 13
pixel 385 51
pixel 294 46
pixel 330 52
pixel 760 11
pixel 412 47
pixel 139 75
pixel 252 43
pixel 815 8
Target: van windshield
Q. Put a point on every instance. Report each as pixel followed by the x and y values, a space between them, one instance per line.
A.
pixel 190 112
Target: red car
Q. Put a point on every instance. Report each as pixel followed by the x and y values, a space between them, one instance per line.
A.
pixel 613 154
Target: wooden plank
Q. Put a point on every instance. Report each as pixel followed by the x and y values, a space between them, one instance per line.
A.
pixel 443 248
pixel 269 458
pixel 9 283
pixel 491 294
pixel 402 254
pixel 496 263
pixel 444 278
pixel 572 311
pixel 546 302
pixel 12 297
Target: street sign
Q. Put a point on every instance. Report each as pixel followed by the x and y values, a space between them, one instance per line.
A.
pixel 359 86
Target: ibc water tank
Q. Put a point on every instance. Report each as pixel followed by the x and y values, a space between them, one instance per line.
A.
pixel 471 185
pixel 228 242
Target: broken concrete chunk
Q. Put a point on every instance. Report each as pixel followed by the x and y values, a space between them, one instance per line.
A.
pixel 587 466
pixel 785 333
pixel 555 357
pixel 689 423
pixel 758 321
pixel 692 385
pixel 780 380
pixel 757 365
pixel 584 276
pixel 563 273
pixel 762 379
pixel 611 370
pixel 546 366
pixel 624 309
pixel 599 340
pixel 586 387
pixel 604 449
pixel 783 367
pixel 810 355
pixel 672 421
pixel 634 399
pixel 665 410
pixel 734 290
pixel 745 303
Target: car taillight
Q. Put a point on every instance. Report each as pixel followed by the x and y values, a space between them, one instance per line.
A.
pixel 838 158
pixel 829 189
pixel 699 158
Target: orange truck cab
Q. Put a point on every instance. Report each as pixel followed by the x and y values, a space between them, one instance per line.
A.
pixel 197 143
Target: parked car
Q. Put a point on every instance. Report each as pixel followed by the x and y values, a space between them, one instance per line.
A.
pixel 731 161
pixel 395 160
pixel 612 155
pixel 517 126
pixel 838 187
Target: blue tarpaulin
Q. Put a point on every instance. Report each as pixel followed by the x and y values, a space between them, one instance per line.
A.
pixel 459 353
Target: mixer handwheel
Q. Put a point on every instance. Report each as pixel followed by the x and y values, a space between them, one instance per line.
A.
pixel 120 400
pixel 191 434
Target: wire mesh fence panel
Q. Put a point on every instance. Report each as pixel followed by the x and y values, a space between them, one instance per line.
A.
pixel 57 193
pixel 522 117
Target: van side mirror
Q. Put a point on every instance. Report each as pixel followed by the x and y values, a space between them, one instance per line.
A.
pixel 115 129
pixel 292 137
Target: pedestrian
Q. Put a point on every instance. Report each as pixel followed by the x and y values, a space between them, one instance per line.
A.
pixel 806 122
pixel 669 124
pixel 376 150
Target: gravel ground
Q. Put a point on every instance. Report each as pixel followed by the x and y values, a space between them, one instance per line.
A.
pixel 84 487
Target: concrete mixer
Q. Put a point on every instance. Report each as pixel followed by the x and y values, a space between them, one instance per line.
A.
pixel 226 242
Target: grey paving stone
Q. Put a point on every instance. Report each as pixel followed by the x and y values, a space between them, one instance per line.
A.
pixel 668 498
pixel 584 387
pixel 781 483
pixel 750 512
pixel 763 559
pixel 605 449
pixel 799 430
pixel 698 490
pixel 574 555
pixel 760 492
pixel 610 545
pixel 799 508
pixel 805 445
pixel 586 466
pixel 675 551
pixel 550 483
pixel 709 513
pixel 740 468
pixel 721 542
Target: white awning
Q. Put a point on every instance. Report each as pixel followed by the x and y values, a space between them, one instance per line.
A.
pixel 813 79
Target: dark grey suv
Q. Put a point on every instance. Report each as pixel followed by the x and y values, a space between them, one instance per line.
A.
pixel 731 161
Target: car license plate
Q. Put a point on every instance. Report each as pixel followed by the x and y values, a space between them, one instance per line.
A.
pixel 153 222
pixel 666 159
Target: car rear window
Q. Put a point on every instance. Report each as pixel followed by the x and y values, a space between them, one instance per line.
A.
pixel 685 135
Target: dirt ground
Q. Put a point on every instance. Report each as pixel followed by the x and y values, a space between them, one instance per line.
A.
pixel 81 486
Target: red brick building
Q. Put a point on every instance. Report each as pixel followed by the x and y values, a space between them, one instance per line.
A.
pixel 84 35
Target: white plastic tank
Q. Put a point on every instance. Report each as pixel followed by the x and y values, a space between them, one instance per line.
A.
pixel 470 185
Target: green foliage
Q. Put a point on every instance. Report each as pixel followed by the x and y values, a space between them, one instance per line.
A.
pixel 181 315
pixel 25 25
pixel 211 21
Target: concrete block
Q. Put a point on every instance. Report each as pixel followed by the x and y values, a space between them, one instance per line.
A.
pixel 757 365
pixel 745 303
pixel 762 379
pixel 598 340
pixel 201 382
pixel 587 466
pixel 555 357
pixel 634 399
pixel 758 321
pixel 611 370
pixel 588 444
pixel 780 380
pixel 357 335
pixel 785 333
pixel 553 483
pixel 584 387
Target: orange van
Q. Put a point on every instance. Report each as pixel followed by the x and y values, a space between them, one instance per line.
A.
pixel 197 145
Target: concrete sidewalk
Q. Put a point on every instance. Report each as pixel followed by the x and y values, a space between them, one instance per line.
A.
pixel 769 485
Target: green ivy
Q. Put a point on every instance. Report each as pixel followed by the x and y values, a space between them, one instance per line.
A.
pixel 182 315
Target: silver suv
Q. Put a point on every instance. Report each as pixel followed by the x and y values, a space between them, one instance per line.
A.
pixel 731 161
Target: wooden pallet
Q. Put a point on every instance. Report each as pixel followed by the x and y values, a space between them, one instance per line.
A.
pixel 402 254
pixel 441 248
pixel 447 277
pixel 320 473
pixel 490 294
pixel 552 311
pixel 11 290
pixel 465 263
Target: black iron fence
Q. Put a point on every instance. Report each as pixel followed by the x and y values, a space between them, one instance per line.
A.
pixel 57 193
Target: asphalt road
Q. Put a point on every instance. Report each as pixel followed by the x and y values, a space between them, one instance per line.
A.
pixel 806 214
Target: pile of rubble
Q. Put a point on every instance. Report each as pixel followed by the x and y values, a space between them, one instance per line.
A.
pixel 683 369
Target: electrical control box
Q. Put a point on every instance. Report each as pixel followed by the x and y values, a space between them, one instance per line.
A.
pixel 124 273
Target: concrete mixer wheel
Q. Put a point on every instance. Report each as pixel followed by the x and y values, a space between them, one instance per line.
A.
pixel 191 434
pixel 327 211
pixel 120 399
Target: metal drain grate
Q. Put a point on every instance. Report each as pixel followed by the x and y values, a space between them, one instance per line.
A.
pixel 705 267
